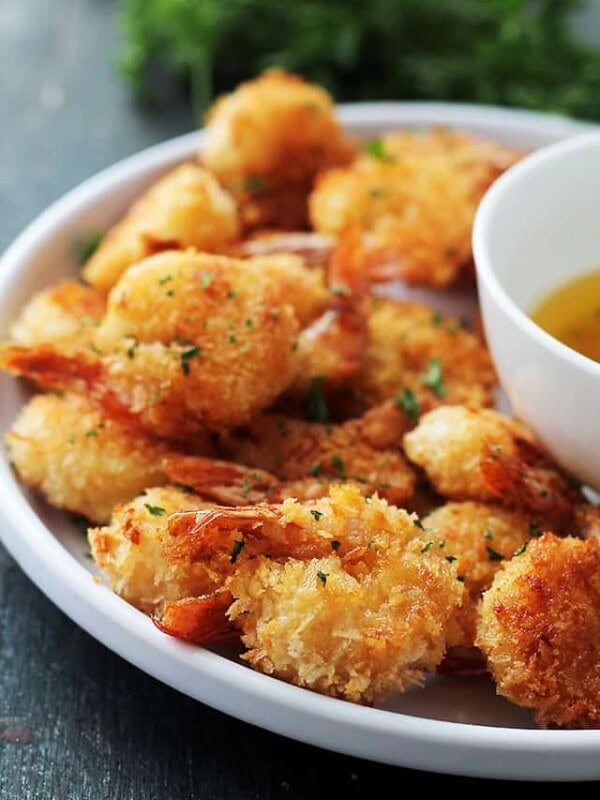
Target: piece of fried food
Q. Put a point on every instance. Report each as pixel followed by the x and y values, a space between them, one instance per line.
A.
pixel 483 455
pixel 267 140
pixel 190 342
pixel 415 196
pixel 185 208
pixel 413 347
pixel 65 315
pixel 538 628
pixel 80 459
pixel 339 595
pixel 479 537
pixel 128 551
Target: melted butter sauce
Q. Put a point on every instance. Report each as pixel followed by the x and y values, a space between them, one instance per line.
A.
pixel 571 314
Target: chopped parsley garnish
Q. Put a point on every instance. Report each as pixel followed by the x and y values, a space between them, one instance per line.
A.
pixel 186 356
pixel 450 559
pixel 156 511
pixel 442 544
pixel 246 485
pixel 316 514
pixel 315 405
pixel 427 547
pixel 165 279
pixel 521 549
pixel 417 522
pixel 322 576
pixel 488 534
pixel 460 578
pixel 493 555
pixel 86 246
pixel 316 469
pixel 254 184
pixel 82 523
pixel 238 545
pixel 249 323
pixel 437 317
pixel 340 289
pixel 232 338
pixel 338 465
pixel 408 401
pixel 376 149
pixel 131 347
pixel 169 293
pixel 434 379
pixel 335 545
pixel 184 488
pixel 206 279
pixel 535 530
pixel 231 294
pixel 544 493
pixel 92 432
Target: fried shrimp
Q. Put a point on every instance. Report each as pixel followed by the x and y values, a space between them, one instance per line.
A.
pixel 80 459
pixel 484 455
pixel 185 208
pixel 538 628
pixel 189 343
pixel 414 195
pixel 348 603
pixel 65 315
pixel 412 347
pixel 267 140
pixel 128 551
pixel 478 537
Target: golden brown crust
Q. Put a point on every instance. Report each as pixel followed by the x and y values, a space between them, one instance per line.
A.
pixel 538 628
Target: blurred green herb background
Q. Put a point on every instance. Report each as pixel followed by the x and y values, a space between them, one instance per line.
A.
pixel 510 52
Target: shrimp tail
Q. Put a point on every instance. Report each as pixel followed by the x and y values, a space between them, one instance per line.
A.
pixel 198 620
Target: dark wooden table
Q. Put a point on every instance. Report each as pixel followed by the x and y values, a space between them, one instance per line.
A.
pixel 76 721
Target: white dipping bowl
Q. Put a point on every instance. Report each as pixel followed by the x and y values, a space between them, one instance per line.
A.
pixel 537 228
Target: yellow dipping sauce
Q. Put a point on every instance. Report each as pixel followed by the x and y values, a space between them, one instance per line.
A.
pixel 571 314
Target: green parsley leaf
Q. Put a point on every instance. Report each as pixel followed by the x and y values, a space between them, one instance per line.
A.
pixel 156 511
pixel 376 149
pixel 184 488
pixel 238 545
pixel 417 523
pixel 521 549
pixel 315 404
pixel 335 545
pixel 254 184
pixel 186 356
pixel 86 246
pixel 427 547
pixel 450 559
pixel 206 279
pixel 434 379
pixel 338 465
pixel 165 279
pixel 488 534
pixel 535 530
pixel 316 514
pixel 437 317
pixel 322 576
pixel 231 294
pixel 409 402
pixel 493 555
pixel 316 469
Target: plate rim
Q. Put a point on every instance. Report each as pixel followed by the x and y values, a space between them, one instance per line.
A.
pixel 435 745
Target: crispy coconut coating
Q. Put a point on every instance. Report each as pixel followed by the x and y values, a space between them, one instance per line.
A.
pixel 483 455
pixel 415 196
pixel 65 315
pixel 349 624
pixel 480 537
pixel 406 342
pixel 128 551
pixel 267 140
pixel 80 459
pixel 185 208
pixel 539 629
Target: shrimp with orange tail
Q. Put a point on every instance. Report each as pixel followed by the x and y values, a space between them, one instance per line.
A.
pixel 287 457
pixel 339 596
pixel 483 455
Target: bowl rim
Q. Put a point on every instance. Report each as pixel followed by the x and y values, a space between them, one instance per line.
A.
pixel 247 695
pixel 484 262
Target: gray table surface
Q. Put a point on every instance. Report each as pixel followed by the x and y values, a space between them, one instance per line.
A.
pixel 76 721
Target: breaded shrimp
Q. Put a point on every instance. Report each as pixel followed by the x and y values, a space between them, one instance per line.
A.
pixel 407 343
pixel 65 315
pixel 189 343
pixel 414 195
pixel 484 455
pixel 587 517
pixel 538 628
pixel 267 140
pixel 128 551
pixel 356 610
pixel 479 537
pixel 315 249
pixel 80 459
pixel 185 208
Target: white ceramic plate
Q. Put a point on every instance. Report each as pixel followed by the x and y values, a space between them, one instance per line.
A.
pixel 456 726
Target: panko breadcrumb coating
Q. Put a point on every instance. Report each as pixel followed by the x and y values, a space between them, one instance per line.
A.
pixel 128 551
pixel 483 455
pixel 405 339
pixel 415 196
pixel 185 208
pixel 267 140
pixel 192 342
pixel 64 315
pixel 480 537
pixel 356 625
pixel 538 628
pixel 80 459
